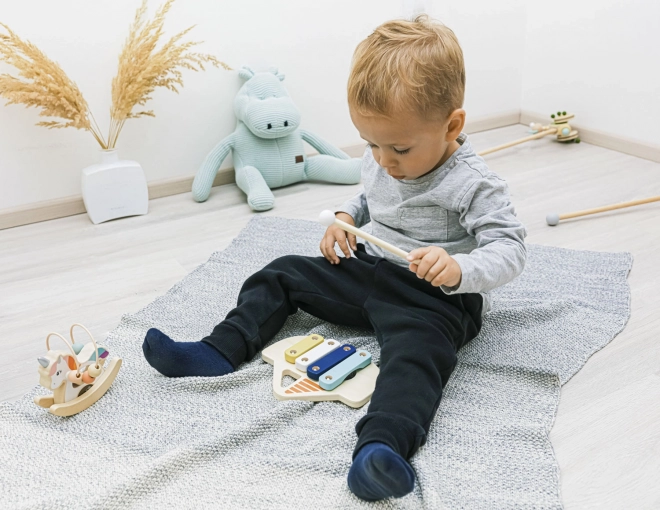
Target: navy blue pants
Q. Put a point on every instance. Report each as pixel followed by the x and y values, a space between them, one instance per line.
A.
pixel 418 326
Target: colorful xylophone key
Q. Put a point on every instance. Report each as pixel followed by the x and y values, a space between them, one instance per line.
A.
pixel 336 375
pixel 303 362
pixel 322 365
pixel 306 344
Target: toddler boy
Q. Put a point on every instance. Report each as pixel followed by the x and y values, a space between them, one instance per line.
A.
pixel 425 191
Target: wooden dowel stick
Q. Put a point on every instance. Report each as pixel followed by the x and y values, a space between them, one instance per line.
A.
pixel 379 242
pixel 540 134
pixel 632 203
pixel 328 218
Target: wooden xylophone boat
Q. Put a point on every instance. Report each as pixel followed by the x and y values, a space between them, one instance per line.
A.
pixel 323 369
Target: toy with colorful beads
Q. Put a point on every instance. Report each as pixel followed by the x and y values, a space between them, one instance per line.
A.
pixel 77 377
pixel 323 369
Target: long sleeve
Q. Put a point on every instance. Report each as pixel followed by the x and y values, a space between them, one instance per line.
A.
pixel 358 209
pixel 487 213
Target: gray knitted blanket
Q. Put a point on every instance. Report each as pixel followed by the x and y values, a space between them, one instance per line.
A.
pixel 226 442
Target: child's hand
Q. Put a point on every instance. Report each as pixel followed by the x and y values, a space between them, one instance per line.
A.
pixel 333 235
pixel 436 266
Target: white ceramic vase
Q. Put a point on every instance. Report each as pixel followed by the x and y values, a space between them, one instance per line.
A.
pixel 114 188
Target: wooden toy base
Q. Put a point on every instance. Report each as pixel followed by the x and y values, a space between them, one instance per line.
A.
pixel 354 392
pixel 85 400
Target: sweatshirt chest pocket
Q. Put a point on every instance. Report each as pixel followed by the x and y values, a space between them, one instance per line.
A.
pixel 428 224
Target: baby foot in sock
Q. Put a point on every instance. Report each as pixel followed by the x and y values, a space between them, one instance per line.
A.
pixel 181 359
pixel 379 472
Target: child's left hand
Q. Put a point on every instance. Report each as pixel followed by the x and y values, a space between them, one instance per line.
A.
pixel 437 267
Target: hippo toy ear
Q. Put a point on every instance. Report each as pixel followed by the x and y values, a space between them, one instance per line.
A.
pixel 246 73
pixel 276 73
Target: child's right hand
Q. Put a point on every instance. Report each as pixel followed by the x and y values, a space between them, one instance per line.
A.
pixel 335 234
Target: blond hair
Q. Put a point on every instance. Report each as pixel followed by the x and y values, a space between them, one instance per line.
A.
pixel 407 65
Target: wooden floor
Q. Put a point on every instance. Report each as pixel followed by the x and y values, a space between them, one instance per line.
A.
pixel 607 431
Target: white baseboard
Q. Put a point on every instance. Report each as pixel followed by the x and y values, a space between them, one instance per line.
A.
pixel 618 143
pixel 41 211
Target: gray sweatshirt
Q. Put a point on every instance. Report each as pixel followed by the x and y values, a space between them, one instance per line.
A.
pixel 460 206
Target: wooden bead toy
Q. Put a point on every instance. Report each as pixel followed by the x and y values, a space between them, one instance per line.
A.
pixel 74 376
pixel 323 369
pixel 77 377
pixel 94 370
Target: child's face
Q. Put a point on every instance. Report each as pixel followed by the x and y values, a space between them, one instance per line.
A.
pixel 408 146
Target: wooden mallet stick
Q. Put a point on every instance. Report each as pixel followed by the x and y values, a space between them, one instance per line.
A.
pixel 546 132
pixel 554 218
pixel 328 218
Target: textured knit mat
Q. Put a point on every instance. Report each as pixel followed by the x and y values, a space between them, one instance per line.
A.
pixel 226 442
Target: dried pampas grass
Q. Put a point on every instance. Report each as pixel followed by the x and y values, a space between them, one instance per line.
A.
pixel 41 83
pixel 142 68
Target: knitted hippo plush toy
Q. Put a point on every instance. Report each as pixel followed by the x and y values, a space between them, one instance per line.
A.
pixel 267 146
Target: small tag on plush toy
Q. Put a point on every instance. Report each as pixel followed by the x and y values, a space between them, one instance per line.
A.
pixel 299 159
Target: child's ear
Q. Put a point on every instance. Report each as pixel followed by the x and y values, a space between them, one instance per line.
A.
pixel 455 125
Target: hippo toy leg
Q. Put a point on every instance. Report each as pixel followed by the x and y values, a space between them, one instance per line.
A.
pixel 330 169
pixel 259 196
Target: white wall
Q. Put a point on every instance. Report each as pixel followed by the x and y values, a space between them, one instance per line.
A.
pixel 492 35
pixel 311 42
pixel 598 59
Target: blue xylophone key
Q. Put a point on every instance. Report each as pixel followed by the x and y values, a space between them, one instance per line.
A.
pixel 322 365
pixel 336 375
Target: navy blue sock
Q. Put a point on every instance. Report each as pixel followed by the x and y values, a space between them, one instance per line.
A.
pixel 379 472
pixel 181 359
